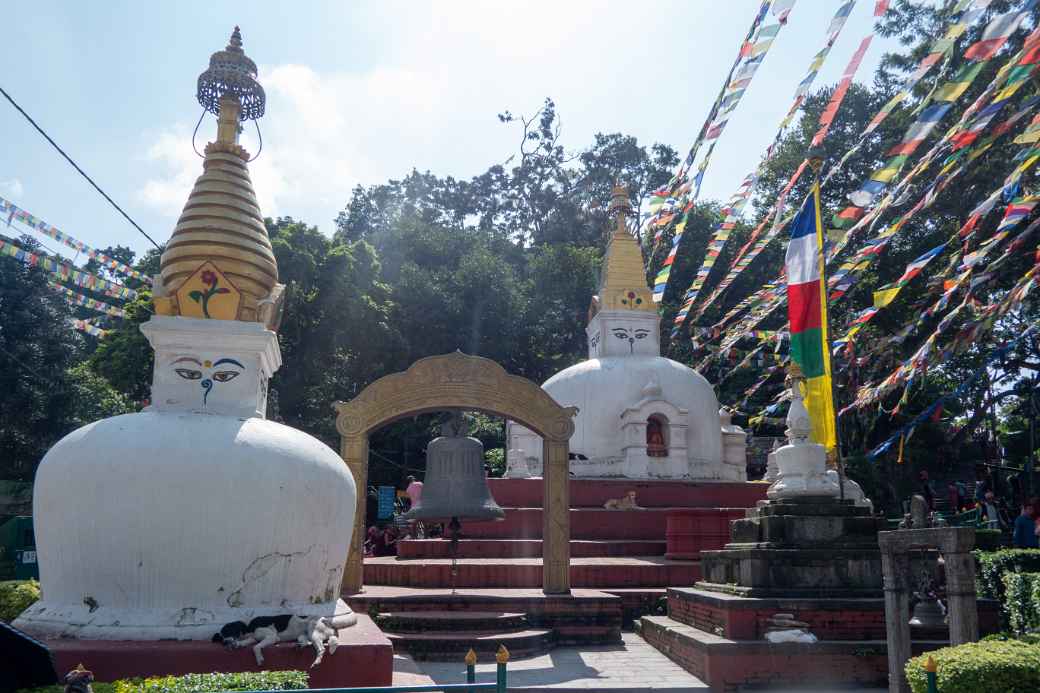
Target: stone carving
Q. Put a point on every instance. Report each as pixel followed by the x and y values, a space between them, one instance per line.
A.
pixel 626 502
pixel 455 381
pixel 460 381
pixel 783 628
pixel 802 464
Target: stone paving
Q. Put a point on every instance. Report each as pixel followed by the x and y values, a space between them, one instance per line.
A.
pixel 632 665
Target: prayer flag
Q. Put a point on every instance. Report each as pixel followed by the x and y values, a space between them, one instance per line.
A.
pixel 807 312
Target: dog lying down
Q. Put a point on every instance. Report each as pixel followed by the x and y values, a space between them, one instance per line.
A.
pixel 269 630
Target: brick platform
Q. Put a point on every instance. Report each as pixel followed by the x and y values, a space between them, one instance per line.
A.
pixel 593 493
pixel 626 571
pixel 729 665
pixel 364 658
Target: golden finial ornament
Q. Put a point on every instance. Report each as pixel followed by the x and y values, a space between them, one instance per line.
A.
pixel 623 279
pixel 219 264
pixel 502 656
pixel 930 665
pixel 471 658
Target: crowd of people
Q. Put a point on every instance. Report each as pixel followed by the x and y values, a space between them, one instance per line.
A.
pixel 381 538
pixel 994 511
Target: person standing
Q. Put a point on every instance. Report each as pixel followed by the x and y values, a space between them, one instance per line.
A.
pixel 414 490
pixel 924 488
pixel 1024 536
pixel 953 497
pixel 989 511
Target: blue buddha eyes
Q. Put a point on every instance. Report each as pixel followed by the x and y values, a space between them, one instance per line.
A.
pixel 224 376
pixel 189 373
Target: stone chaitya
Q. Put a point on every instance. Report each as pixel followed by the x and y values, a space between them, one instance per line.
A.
pixel 640 415
pixel 197 512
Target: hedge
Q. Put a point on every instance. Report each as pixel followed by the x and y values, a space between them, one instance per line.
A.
pixel 16 596
pixel 991 568
pixel 199 683
pixel 1008 667
pixel 1022 601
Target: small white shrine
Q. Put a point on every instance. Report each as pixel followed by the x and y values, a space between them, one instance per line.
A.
pixel 640 415
pixel 169 523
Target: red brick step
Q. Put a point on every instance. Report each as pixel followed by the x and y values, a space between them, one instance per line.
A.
pixel 452 646
pixel 525 548
pixel 435 621
pixel 626 571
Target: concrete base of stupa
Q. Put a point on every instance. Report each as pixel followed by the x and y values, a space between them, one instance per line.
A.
pixel 364 657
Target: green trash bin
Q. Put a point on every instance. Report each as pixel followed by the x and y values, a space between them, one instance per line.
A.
pixel 21 545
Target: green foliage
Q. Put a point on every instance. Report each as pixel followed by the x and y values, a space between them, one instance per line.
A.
pixel 1009 667
pixel 496 461
pixel 16 596
pixel 199 683
pixel 1022 601
pixel 992 567
pixel 217 681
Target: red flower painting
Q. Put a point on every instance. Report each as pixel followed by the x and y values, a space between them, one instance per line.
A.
pixel 210 279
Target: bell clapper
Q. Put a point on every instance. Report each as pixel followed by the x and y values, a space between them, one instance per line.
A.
pixel 454 526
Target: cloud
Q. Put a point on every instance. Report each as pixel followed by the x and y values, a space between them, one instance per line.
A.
pixel 12 188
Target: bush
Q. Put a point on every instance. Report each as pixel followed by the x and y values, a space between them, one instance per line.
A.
pixel 16 596
pixel 1008 667
pixel 198 683
pixel 988 539
pixel 991 568
pixel 217 681
pixel 1022 601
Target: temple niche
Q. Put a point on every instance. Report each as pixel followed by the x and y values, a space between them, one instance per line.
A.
pixel 640 415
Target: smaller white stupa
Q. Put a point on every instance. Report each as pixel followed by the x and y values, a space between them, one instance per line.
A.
pixel 640 415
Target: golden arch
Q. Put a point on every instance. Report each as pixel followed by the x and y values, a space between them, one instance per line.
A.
pixel 459 381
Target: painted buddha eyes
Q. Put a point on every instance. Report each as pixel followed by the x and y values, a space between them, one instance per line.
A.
pixel 642 334
pixel 621 333
pixel 224 376
pixel 189 373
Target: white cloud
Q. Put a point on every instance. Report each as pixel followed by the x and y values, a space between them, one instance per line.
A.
pixel 12 188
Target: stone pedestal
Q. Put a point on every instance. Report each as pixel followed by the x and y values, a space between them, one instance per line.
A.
pixel 807 548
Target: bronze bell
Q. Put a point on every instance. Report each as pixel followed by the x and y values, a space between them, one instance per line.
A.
pixel 456 485
pixel 928 614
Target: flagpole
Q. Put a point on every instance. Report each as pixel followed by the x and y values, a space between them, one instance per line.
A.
pixel 815 159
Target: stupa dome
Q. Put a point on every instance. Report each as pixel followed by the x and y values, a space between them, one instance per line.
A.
pixel 219 519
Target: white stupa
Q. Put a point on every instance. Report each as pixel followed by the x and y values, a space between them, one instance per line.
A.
pixel 640 415
pixel 197 511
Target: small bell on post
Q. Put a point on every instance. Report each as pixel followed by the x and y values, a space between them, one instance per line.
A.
pixel 456 487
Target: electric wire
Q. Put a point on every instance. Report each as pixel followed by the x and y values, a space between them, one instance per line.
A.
pixel 76 166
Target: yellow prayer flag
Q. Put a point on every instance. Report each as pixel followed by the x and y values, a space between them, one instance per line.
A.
pixel 885 296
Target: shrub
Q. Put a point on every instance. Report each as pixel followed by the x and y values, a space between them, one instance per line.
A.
pixel 988 539
pixel 991 568
pixel 16 596
pixel 1008 667
pixel 217 681
pixel 1022 601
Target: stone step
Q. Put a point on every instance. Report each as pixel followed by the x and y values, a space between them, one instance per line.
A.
pixel 452 646
pixel 593 493
pixel 526 548
pixel 441 621
pixel 596 524
pixel 618 572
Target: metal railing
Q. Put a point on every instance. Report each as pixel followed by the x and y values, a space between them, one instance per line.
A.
pixel 471 685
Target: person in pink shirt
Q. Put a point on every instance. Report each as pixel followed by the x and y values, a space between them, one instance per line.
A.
pixel 414 490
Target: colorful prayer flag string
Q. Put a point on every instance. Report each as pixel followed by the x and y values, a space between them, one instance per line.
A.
pixel 13 212
pixel 65 271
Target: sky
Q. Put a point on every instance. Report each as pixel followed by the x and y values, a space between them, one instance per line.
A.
pixel 361 92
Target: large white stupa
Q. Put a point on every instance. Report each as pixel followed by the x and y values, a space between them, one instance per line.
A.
pixel 197 511
pixel 640 415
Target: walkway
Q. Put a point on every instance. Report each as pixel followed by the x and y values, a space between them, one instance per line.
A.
pixel 632 666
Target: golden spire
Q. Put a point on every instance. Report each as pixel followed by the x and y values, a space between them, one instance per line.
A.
pixel 219 263
pixel 622 281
